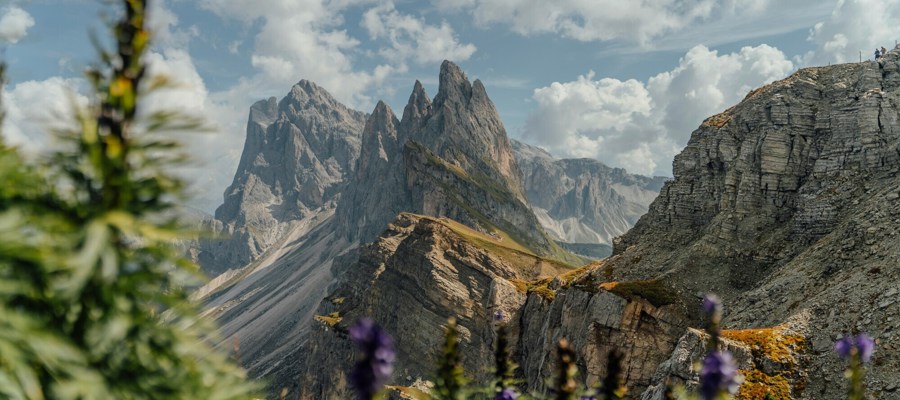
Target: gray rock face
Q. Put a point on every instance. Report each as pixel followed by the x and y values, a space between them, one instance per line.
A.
pixel 450 158
pixel 582 201
pixel 297 156
pixel 596 322
pixel 787 203
pixel 417 273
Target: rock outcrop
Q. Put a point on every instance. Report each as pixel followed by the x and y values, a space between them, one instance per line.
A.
pixel 583 203
pixel 419 272
pixel 787 203
pixel 298 153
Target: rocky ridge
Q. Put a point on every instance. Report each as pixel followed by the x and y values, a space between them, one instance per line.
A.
pixel 787 204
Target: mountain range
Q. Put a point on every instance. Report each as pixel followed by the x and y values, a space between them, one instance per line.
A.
pixel 786 205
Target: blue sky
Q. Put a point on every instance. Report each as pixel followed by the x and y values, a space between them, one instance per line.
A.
pixel 621 81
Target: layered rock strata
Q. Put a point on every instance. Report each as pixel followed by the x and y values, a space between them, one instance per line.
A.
pixel 787 204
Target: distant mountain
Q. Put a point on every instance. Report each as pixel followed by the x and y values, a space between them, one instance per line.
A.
pixel 582 203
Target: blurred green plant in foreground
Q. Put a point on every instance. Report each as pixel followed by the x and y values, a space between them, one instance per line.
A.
pixel 91 298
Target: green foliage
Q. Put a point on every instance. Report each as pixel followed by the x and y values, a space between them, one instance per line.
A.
pixel 567 370
pixel 504 367
pixel 450 382
pixel 91 285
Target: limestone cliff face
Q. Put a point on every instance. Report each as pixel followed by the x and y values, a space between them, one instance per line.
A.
pixel 297 155
pixel 420 271
pixel 596 321
pixel 787 203
pixel 583 202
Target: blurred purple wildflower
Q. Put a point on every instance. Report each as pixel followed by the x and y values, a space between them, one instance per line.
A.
pixel 376 365
pixel 712 304
pixel 864 344
pixel 498 316
pixel 588 398
pixel 844 347
pixel 718 375
pixel 506 394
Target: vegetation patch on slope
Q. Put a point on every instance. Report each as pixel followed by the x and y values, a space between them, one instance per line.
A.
pixel 506 247
pixel 330 319
pixel 499 194
pixel 654 291
pixel 779 347
pixel 541 287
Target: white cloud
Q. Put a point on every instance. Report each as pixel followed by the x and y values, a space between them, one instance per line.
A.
pixel 412 39
pixel 34 108
pixel 14 24
pixel 640 126
pixel 302 40
pixel 634 21
pixel 854 26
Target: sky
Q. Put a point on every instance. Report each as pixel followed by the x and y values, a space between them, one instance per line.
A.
pixel 624 82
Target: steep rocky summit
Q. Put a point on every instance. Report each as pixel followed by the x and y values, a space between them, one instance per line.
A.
pixel 298 153
pixel 447 158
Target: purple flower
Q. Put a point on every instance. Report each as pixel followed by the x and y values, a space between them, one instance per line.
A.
pixel 844 347
pixel 863 344
pixel 718 375
pixel 712 304
pixel 866 346
pixel 588 398
pixel 377 363
pixel 498 316
pixel 506 394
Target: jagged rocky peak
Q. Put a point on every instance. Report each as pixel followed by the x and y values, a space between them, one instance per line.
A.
pixel 450 158
pixel 381 146
pixel 417 110
pixel 297 154
pixel 466 130
pixel 453 85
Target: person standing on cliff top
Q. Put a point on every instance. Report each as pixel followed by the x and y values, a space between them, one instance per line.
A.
pixel 877 54
pixel 883 51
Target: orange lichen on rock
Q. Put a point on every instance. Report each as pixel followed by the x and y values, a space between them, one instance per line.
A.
pixel 778 345
pixel 772 343
pixel 718 120
pixel 330 319
pixel 409 393
pixel 758 384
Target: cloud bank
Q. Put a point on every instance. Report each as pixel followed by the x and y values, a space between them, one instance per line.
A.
pixel 641 125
